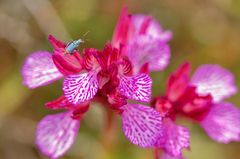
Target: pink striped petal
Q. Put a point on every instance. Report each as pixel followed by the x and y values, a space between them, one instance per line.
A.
pixel 142 125
pixel 81 87
pixel 56 133
pixel 39 70
pixel 215 80
pixel 222 123
pixel 136 87
pixel 145 49
pixel 174 139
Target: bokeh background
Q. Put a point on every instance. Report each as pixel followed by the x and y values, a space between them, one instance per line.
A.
pixel 205 31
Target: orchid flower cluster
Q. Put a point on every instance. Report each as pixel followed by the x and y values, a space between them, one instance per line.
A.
pixel 120 73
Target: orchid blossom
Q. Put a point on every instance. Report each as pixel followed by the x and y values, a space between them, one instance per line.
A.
pixel 200 99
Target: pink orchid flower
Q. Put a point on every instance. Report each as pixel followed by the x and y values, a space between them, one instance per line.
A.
pixel 112 76
pixel 200 99
pixel 142 40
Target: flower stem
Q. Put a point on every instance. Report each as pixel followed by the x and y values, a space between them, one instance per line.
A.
pixel 109 130
pixel 157 153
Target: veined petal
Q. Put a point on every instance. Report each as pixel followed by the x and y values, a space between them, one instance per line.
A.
pixel 56 133
pixel 214 80
pixel 141 124
pixel 39 70
pixel 81 87
pixel 222 123
pixel 174 139
pixel 136 87
pixel 145 49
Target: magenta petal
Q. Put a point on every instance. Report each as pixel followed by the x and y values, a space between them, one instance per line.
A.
pixel 39 70
pixel 145 49
pixel 56 133
pixel 174 139
pixel 55 43
pixel 122 29
pixel 81 87
pixel 142 125
pixel 215 80
pixel 136 87
pixel 222 123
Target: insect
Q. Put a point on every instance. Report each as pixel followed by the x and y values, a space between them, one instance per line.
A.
pixel 71 46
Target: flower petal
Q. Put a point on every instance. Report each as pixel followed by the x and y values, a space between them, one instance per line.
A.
pixel 174 139
pixel 145 49
pixel 39 70
pixel 178 82
pixel 56 133
pixel 122 29
pixel 136 87
pixel 59 103
pixel 55 43
pixel 222 123
pixel 142 125
pixel 81 87
pixel 153 28
pixel 215 80
pixel 67 63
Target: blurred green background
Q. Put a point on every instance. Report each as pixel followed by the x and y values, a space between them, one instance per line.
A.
pixel 205 31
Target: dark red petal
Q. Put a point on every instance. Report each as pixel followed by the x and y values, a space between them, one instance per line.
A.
pixel 116 100
pixel 111 53
pixel 193 104
pixel 59 103
pixel 144 68
pixel 103 78
pixel 113 81
pixel 67 64
pixel 178 82
pixel 80 110
pixel 125 67
pixel 89 58
pixel 101 59
pixel 55 43
pixel 164 107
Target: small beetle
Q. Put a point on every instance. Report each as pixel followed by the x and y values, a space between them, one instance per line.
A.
pixel 73 45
